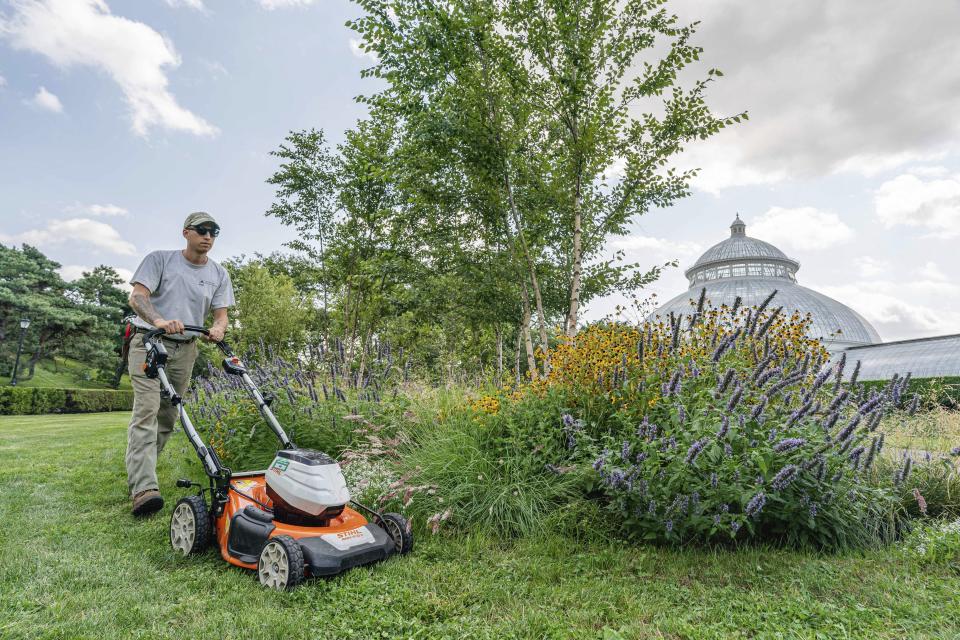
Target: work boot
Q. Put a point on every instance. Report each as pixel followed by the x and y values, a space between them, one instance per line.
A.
pixel 147 502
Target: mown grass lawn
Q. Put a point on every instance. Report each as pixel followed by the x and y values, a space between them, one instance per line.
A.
pixel 75 564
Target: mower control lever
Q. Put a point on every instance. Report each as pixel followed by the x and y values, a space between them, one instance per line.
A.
pixel 185 483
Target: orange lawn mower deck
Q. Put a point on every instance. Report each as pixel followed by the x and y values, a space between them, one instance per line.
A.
pixel 292 521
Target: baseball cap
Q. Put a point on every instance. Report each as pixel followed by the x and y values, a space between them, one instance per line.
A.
pixel 199 217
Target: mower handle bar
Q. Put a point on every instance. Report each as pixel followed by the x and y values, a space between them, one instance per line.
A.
pixel 153 333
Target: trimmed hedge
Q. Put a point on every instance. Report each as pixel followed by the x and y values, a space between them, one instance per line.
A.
pixel 37 400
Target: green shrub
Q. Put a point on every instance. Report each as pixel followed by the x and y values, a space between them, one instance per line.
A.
pixel 40 400
pixel 724 428
pixel 936 541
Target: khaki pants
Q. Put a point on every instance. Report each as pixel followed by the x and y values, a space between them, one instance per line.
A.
pixel 153 419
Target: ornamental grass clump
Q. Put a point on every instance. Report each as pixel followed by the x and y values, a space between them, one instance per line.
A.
pixel 731 427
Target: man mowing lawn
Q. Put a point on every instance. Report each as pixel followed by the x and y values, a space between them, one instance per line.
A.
pixel 170 289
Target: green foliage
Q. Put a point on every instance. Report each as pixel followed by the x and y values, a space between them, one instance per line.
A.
pixel 79 320
pixel 26 400
pixel 934 542
pixel 479 475
pixel 943 391
pixel 269 310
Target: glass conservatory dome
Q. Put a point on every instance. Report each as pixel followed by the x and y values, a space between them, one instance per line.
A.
pixel 751 269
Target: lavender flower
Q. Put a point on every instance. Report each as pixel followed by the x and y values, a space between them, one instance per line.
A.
pixel 599 462
pixel 673 387
pixel 789 444
pixel 727 450
pixel 755 505
pixel 716 520
pixel 567 420
pixel 641 457
pixel 855 457
pixel 681 414
pixel 652 507
pixel 734 527
pixel 813 509
pixel 838 401
pixel 783 479
pixel 855 374
pixel 904 472
pixel 871 453
pixel 848 430
pixel 735 398
pixel 914 405
pixel 625 451
pixel 713 480
pixel 829 421
pixel 725 381
pixel 694 450
pixel 767 375
pixel 758 409
pixel 724 427
pixel 841 364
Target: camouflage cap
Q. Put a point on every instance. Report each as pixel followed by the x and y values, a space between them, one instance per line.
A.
pixel 198 218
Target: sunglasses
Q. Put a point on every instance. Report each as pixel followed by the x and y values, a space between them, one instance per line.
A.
pixel 203 231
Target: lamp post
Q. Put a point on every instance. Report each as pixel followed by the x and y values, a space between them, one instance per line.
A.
pixel 24 323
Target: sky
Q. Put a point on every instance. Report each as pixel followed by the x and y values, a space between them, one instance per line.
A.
pixel 118 118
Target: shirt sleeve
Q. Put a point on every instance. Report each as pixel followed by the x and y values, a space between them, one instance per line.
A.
pixel 223 296
pixel 149 272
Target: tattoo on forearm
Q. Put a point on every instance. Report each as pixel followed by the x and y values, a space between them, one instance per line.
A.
pixel 142 305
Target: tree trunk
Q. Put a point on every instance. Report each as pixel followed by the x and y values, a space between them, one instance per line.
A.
pixel 499 355
pixel 531 360
pixel 572 318
pixel 532 267
pixel 517 353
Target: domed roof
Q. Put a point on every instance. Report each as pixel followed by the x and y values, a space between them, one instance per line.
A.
pixel 751 269
pixel 741 248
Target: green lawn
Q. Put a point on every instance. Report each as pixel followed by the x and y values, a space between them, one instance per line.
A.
pixel 61 373
pixel 75 564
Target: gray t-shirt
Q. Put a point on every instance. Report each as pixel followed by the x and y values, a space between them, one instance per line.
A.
pixel 181 290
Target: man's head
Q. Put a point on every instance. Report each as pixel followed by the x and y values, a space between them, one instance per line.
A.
pixel 200 230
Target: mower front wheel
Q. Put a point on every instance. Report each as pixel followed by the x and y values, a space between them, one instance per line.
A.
pixel 190 525
pixel 399 531
pixel 281 564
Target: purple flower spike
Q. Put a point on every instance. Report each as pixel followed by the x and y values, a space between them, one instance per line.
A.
pixel 955 451
pixel 734 527
pixel 755 506
pixel 735 398
pixel 789 444
pixel 724 427
pixel 783 479
pixel 695 450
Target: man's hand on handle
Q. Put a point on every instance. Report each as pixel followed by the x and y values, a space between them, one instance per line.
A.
pixel 216 333
pixel 169 326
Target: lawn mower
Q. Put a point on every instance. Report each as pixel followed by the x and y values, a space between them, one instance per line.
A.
pixel 292 521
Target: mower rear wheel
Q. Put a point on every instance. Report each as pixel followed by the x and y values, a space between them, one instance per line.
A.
pixel 399 531
pixel 281 564
pixel 190 525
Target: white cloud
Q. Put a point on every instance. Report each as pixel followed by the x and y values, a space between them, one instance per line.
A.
pixel 47 101
pixel 84 33
pixel 933 204
pixel 3 81
pixel 356 48
pixel 869 267
pixel 803 228
pixel 72 272
pixel 637 247
pixel 931 271
pixel 108 210
pixel 830 86
pixel 99 235
pixel 282 4
pixel 196 5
